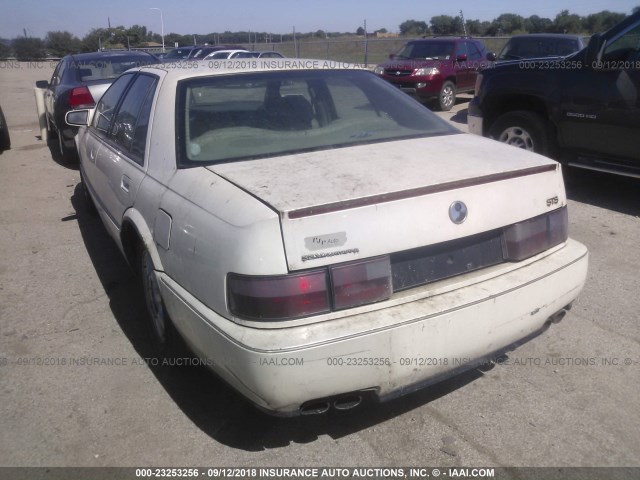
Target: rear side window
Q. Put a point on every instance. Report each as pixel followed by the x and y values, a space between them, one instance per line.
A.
pixel 106 107
pixel 130 126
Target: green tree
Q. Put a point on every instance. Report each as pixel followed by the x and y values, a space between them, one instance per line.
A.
pixel 360 31
pixel 536 24
pixel 29 48
pixel 413 28
pixel 601 21
pixel 444 24
pixel 566 22
pixel 509 22
pixel 5 50
pixel 62 43
pixel 92 41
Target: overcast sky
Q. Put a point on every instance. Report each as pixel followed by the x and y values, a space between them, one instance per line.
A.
pixel 275 16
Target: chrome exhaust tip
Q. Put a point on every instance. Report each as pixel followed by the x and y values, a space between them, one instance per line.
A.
pixel 315 407
pixel 347 402
pixel 558 316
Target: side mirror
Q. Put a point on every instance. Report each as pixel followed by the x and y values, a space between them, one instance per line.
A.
pixel 461 58
pixel 77 118
pixel 593 50
pixel 42 84
pixel 491 56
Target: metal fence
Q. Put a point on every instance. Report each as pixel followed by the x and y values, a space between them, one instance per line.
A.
pixel 361 51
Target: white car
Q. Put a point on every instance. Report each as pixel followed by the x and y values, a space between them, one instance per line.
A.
pixel 319 237
pixel 224 54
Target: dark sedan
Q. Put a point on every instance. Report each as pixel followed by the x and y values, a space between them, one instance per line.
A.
pixel 79 81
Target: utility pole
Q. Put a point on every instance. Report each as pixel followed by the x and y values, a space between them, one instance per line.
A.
pixel 366 45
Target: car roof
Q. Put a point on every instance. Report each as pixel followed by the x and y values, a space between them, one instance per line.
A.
pixel 231 51
pixel 548 35
pixel 203 68
pixel 106 55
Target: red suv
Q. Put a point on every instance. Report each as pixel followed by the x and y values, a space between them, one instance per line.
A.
pixel 436 68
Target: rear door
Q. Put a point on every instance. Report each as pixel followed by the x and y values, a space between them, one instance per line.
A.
pixel 92 142
pixel 121 160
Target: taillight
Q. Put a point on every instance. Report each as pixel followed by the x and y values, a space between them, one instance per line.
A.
pixel 80 97
pixel 360 283
pixel 285 297
pixel 533 236
pixel 279 297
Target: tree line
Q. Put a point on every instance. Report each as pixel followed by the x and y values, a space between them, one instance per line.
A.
pixel 513 24
pixel 60 43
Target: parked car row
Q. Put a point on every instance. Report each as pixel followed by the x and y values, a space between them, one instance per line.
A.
pixel 208 52
pixel 79 80
pixel 551 94
pixel 441 67
pixel 582 109
pixel 316 234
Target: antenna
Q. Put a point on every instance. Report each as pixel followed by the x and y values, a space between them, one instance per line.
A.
pixel 464 26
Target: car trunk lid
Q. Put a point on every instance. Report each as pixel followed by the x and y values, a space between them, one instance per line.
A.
pixel 357 202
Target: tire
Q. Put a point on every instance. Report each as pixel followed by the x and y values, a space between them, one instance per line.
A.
pixel 67 155
pixel 165 340
pixel 5 141
pixel 526 130
pixel 88 201
pixel 447 96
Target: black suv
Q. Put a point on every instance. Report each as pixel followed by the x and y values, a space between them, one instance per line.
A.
pixel 583 109
pixel 436 68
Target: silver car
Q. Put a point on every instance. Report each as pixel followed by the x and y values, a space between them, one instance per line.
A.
pixel 318 237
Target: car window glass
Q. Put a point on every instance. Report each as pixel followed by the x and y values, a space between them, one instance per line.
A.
pixel 261 115
pixel 55 77
pixel 105 108
pixel 142 126
pixel 126 124
pixel 473 52
pixel 61 72
pixel 624 48
pixel 461 49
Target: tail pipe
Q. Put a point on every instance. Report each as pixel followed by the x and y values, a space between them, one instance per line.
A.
pixel 346 401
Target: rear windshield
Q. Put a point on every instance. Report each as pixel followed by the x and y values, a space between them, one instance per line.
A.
pixel 259 115
pixel 107 68
pixel 538 47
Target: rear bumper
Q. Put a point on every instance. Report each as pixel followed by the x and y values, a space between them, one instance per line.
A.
pixel 390 351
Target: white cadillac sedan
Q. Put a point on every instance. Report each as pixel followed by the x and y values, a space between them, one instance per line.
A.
pixel 316 235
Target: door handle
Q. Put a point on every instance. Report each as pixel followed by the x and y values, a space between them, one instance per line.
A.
pixel 124 184
pixel 92 154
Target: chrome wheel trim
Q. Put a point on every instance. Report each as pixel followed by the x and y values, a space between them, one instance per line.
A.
pixel 517 137
pixel 447 96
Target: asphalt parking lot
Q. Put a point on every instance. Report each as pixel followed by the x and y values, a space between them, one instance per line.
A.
pixel 76 391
